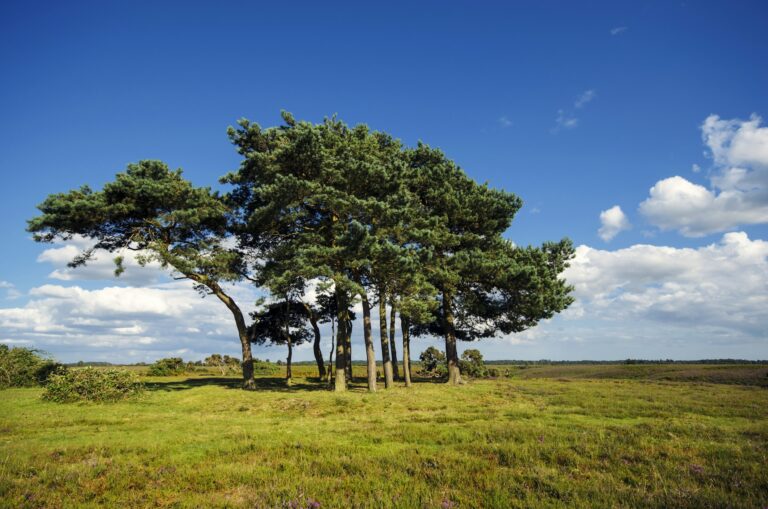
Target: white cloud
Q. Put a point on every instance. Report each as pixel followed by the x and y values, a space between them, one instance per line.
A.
pixel 101 267
pixel 505 122
pixel 678 204
pixel 110 323
pixel 613 222
pixel 10 290
pixel 739 193
pixel 565 120
pixel 584 98
pixel 695 168
pixel 618 30
pixel 655 302
pixel 721 285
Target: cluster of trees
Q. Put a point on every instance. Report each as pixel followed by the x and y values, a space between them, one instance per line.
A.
pixel 323 216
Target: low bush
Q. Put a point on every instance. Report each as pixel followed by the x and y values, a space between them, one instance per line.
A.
pixel 89 384
pixel 167 367
pixel 25 367
pixel 471 364
pixel 261 367
pixel 433 363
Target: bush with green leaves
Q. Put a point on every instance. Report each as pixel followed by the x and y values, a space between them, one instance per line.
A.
pixel 433 363
pixel 167 367
pixel 89 384
pixel 25 367
pixel 261 367
pixel 471 364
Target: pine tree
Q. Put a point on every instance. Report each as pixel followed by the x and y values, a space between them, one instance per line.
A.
pixel 154 211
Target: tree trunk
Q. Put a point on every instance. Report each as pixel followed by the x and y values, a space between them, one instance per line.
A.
pixel 370 355
pixel 348 349
pixel 385 342
pixel 451 353
pixel 316 346
pixel 329 373
pixel 288 372
pixel 392 315
pixel 242 331
pixel 405 326
pixel 340 384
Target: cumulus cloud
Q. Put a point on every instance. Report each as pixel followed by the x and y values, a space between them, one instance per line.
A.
pixel 739 183
pixel 721 286
pixel 124 323
pixel 618 30
pixel 101 267
pixel 613 222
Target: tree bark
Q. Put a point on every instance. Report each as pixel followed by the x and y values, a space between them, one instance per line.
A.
pixel 405 326
pixel 392 315
pixel 370 354
pixel 288 372
pixel 340 384
pixel 385 342
pixel 316 346
pixel 242 331
pixel 451 353
pixel 329 373
pixel 348 349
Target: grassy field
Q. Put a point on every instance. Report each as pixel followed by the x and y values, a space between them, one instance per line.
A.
pixel 552 436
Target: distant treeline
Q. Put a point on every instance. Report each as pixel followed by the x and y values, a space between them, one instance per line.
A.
pixel 546 362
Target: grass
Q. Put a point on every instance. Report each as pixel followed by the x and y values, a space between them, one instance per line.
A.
pixel 563 439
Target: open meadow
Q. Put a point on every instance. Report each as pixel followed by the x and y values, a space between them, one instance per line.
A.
pixel 550 436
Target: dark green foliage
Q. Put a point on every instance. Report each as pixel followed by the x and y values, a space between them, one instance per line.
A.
pixel 94 385
pixel 261 367
pixel 433 363
pixel 471 364
pixel 167 367
pixel 25 367
pixel 279 322
pixel 153 209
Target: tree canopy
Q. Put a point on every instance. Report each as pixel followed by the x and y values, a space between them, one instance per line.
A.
pixel 348 209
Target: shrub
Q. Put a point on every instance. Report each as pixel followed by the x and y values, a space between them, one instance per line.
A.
pixel 225 363
pixel 261 367
pixel 89 384
pixel 25 367
pixel 433 363
pixel 167 367
pixel 471 364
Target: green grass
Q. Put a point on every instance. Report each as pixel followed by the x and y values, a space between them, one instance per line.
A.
pixel 570 441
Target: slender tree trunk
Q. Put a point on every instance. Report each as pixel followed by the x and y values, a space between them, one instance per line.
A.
pixel 348 349
pixel 341 355
pixel 316 346
pixel 405 326
pixel 288 372
pixel 330 355
pixel 392 315
pixel 242 331
pixel 451 353
pixel 385 342
pixel 287 332
pixel 370 355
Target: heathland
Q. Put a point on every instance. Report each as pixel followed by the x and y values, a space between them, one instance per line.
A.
pixel 551 436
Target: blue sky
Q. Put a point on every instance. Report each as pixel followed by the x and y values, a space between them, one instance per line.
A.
pixel 576 107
